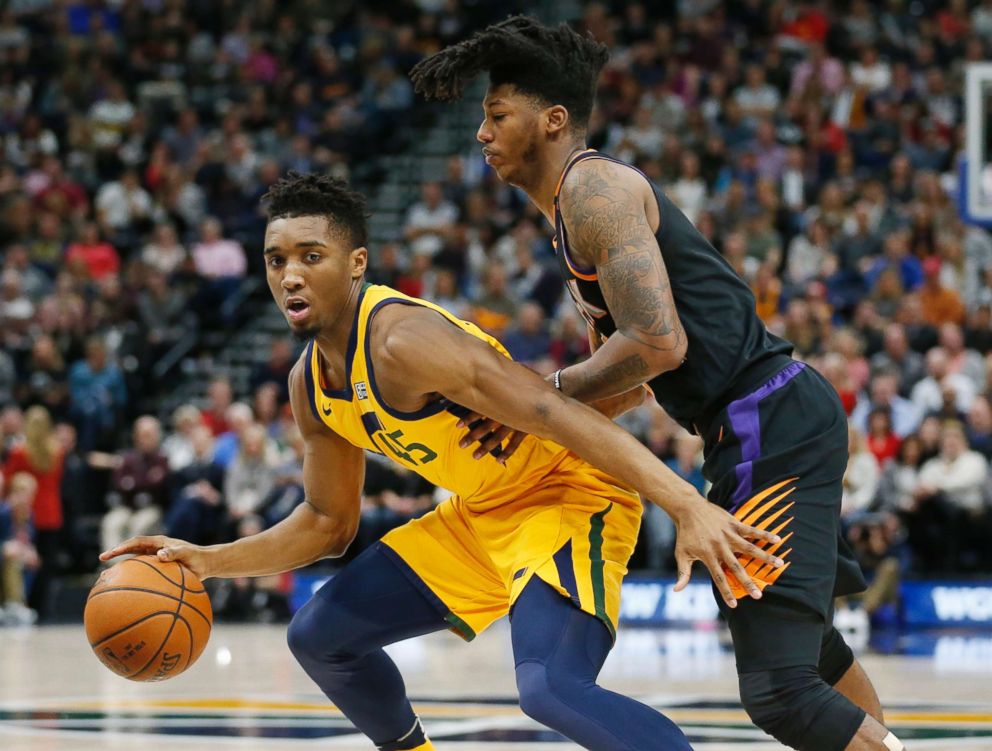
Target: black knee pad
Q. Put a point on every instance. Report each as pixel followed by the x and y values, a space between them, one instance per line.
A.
pixel 836 657
pixel 799 709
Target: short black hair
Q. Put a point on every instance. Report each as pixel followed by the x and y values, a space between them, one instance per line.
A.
pixel 555 64
pixel 314 194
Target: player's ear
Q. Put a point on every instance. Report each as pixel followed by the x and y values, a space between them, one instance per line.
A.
pixel 556 119
pixel 359 261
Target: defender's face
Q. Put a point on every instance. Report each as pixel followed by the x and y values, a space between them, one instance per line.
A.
pixel 510 133
pixel 310 270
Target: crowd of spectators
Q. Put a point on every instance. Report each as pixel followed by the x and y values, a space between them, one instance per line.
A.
pixel 816 146
pixel 137 138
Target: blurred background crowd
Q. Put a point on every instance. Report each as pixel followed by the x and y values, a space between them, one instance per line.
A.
pixel 815 144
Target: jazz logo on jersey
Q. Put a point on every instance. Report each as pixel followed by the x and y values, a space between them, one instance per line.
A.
pixel 361 389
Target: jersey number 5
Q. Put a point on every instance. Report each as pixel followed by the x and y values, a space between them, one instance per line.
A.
pixel 392 440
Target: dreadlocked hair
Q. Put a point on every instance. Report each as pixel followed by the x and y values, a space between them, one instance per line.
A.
pixel 554 64
pixel 313 194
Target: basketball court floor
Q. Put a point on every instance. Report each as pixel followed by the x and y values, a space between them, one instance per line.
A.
pixel 246 692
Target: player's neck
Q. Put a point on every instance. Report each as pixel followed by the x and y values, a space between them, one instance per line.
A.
pixel 548 173
pixel 332 341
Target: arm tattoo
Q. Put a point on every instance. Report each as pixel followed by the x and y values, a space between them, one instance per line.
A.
pixel 607 226
pixel 632 370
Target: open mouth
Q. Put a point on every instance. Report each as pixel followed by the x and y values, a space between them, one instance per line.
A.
pixel 297 309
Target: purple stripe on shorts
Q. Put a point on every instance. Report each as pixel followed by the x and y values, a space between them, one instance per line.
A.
pixel 746 425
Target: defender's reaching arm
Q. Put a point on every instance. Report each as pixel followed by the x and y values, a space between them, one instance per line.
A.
pixel 473 374
pixel 604 208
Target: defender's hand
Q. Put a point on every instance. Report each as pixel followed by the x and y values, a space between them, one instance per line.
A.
pixel 489 434
pixel 710 534
pixel 193 557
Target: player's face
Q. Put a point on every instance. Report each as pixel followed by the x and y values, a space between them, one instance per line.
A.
pixel 311 271
pixel 510 134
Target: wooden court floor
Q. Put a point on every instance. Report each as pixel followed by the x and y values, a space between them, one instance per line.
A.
pixel 246 692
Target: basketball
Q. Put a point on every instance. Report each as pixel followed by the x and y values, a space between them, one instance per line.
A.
pixel 148 620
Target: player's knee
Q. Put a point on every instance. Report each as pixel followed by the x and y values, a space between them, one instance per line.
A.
pixel 313 635
pixel 540 694
pixel 301 634
pixel 799 709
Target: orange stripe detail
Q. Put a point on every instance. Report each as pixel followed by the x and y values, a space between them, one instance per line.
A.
pixel 770 573
pixel 720 437
pixel 764 574
pixel 780 527
pixel 772 549
pixel 743 510
pixel 764 524
pixel 576 272
pixel 765 507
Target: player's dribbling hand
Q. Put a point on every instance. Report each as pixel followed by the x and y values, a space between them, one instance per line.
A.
pixel 709 534
pixel 193 557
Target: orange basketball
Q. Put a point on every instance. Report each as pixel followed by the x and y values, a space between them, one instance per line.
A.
pixel 148 620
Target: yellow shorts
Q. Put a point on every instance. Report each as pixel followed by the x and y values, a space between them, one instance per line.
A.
pixel 574 530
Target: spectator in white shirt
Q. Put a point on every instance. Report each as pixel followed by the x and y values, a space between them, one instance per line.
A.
pixel 927 395
pixel 643 138
pixel 807 254
pixel 961 360
pixel 757 98
pixel 122 204
pixel 870 72
pixel 860 479
pixel 110 117
pixel 884 386
pixel 981 19
pixel 164 253
pixel 957 472
pixel 430 220
pixel 689 191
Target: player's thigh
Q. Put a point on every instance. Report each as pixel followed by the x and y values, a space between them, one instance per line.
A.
pixel 774 632
pixel 442 554
pixel 370 603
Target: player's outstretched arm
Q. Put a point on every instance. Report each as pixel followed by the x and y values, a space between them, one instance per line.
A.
pixel 473 374
pixel 603 207
pixel 324 525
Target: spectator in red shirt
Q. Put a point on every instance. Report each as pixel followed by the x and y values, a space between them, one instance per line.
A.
pixel 98 256
pixel 61 195
pixel 40 455
pixel 883 443
pixel 219 398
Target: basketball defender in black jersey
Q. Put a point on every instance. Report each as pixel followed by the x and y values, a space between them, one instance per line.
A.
pixel 670 312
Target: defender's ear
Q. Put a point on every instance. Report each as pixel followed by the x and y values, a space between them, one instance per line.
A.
pixel 556 120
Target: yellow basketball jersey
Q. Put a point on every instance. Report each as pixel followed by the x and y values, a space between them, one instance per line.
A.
pixel 425 441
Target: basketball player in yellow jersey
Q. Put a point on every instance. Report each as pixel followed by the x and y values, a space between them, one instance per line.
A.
pixel 545 534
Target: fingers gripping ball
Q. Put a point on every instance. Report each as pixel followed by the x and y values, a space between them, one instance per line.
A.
pixel 148 620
